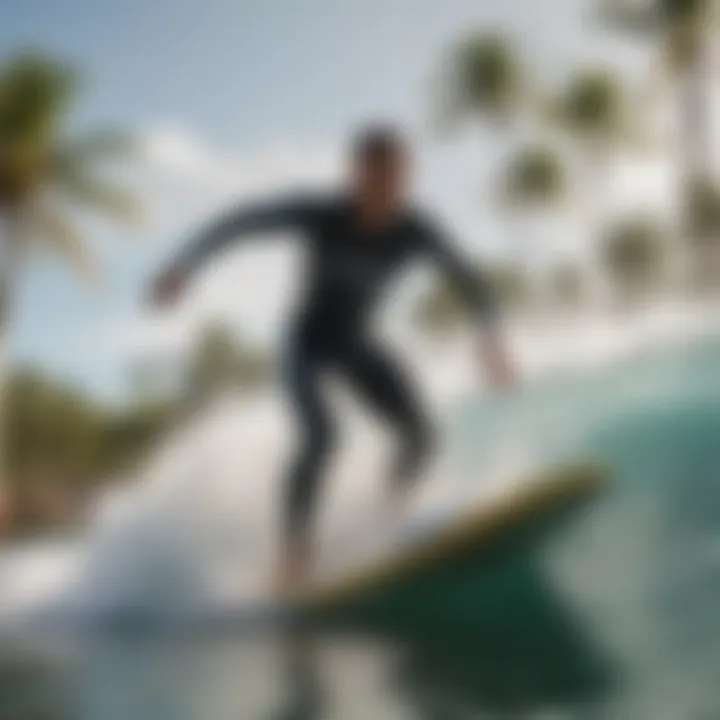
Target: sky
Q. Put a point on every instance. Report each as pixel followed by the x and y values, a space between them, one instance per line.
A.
pixel 235 99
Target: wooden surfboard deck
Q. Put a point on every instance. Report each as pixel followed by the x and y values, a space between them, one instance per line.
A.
pixel 520 516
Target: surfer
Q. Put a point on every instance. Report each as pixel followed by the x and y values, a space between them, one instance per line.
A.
pixel 358 239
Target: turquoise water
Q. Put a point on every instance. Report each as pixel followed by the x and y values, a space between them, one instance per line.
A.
pixel 642 572
pixel 625 620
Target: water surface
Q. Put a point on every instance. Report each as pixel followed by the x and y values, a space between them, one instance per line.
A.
pixel 624 621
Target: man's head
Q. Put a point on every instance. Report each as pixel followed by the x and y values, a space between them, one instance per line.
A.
pixel 380 164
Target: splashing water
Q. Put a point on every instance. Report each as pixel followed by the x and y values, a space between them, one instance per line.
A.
pixel 643 571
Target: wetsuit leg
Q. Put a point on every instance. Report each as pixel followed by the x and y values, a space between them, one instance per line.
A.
pixel 316 431
pixel 387 388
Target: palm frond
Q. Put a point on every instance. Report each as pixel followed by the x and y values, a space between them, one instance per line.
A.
pixel 95 194
pixel 35 93
pixel 676 20
pixel 486 77
pixel 594 107
pixel 60 234
pixel 535 176
pixel 634 17
pixel 97 146
pixel 634 249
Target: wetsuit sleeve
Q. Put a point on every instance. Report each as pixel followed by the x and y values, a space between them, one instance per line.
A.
pixel 473 285
pixel 295 212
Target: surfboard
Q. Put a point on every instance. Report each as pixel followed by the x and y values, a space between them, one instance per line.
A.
pixel 457 552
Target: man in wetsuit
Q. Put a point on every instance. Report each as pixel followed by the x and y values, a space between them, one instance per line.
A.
pixel 358 240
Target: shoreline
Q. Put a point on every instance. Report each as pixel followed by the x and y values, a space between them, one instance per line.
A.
pixel 573 343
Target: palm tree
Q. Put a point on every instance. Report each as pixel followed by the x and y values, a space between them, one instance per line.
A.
pixel 634 253
pixel 594 112
pixel 482 78
pixel 533 179
pixel 221 361
pixel 682 31
pixel 483 81
pixel 44 172
pixel 533 183
pixel 702 198
pixel 214 364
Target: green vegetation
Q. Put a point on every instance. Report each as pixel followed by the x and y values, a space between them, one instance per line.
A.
pixel 593 110
pixel 62 443
pixel 634 254
pixel 219 362
pixel 44 175
pixel 483 78
pixel 58 441
pixel 535 178
pixel 682 34
pixel 596 118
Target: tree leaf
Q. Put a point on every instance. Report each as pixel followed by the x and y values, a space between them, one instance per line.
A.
pixel 97 195
pixel 97 146
pixel 35 94
pixel 64 237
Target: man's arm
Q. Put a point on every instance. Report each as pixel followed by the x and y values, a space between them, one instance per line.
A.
pixel 288 213
pixel 477 291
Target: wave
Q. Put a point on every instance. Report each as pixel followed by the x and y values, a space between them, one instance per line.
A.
pixel 195 533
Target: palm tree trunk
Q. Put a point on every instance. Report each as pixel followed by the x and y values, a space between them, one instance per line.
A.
pixel 695 116
pixel 697 156
pixel 596 165
pixel 10 230
pixel 4 339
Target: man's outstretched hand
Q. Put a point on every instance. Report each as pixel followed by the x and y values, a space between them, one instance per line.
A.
pixel 167 287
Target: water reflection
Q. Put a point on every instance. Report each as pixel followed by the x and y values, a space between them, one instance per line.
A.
pixel 505 645
pixel 33 686
pixel 302 698
pixel 510 663
pixel 523 653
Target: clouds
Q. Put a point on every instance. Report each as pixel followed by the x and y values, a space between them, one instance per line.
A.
pixel 184 158
pixel 186 178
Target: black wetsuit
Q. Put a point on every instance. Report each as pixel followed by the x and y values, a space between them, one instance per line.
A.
pixel 348 268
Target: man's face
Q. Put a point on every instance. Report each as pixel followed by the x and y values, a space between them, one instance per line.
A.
pixel 382 179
